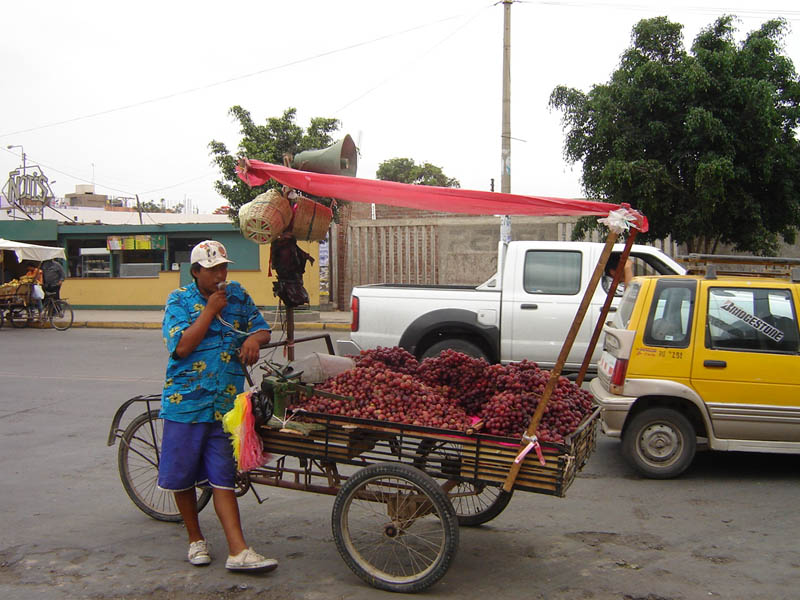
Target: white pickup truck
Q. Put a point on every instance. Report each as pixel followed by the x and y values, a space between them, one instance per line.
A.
pixel 524 311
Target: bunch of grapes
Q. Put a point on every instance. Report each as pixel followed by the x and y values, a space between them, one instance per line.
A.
pixel 379 393
pixel 459 377
pixel 509 412
pixel 396 358
pixel 523 376
pixel 388 384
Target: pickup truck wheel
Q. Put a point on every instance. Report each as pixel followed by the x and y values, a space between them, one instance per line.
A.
pixel 659 443
pixel 457 344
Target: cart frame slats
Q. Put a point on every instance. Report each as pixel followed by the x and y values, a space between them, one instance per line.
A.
pixel 475 458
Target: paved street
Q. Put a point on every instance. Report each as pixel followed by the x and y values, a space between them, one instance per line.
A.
pixel 728 529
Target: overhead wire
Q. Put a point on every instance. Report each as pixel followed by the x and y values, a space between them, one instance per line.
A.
pixel 789 15
pixel 411 62
pixel 230 79
pixel 224 82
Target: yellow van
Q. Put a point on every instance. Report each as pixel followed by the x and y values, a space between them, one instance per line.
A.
pixel 701 362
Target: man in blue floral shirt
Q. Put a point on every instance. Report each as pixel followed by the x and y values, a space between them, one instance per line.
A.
pixel 211 330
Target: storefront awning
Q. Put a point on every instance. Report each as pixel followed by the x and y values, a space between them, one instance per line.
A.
pixel 422 197
pixel 32 251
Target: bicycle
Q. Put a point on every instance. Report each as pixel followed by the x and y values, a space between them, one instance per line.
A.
pixel 55 311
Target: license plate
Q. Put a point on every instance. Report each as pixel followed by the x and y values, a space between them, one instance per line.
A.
pixel 605 365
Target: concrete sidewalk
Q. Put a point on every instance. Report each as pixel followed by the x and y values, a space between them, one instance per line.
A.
pixel 151 319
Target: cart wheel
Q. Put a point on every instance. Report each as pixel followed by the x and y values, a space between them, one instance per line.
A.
pixel 395 527
pixel 475 503
pixel 61 315
pixel 20 317
pixel 139 451
pixel 242 484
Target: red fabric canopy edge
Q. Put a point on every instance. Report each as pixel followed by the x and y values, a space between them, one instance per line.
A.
pixel 423 197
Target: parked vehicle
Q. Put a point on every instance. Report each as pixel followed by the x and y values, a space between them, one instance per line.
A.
pixel 524 311
pixel 697 361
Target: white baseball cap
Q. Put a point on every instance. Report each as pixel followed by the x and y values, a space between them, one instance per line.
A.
pixel 209 253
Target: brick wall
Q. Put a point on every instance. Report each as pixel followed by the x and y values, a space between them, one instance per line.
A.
pixel 362 210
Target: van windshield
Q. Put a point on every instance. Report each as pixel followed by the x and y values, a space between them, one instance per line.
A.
pixel 625 309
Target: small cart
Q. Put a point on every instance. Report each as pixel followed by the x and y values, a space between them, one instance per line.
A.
pixel 15 301
pixel 401 491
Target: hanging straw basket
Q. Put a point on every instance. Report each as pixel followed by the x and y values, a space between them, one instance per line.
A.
pixel 265 217
pixel 311 220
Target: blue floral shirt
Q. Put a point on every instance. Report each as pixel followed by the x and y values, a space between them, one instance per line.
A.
pixel 202 387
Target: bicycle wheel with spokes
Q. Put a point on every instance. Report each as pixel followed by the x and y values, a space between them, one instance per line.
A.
pixel 139 453
pixel 61 315
pixel 475 503
pixel 20 316
pixel 395 527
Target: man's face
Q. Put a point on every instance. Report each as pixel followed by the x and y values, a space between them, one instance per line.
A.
pixel 207 279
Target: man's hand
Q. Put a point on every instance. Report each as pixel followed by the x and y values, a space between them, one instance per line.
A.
pixel 251 347
pixel 216 302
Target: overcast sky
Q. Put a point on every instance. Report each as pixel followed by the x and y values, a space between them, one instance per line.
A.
pixel 128 95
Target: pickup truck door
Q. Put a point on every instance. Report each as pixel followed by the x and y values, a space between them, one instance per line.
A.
pixel 538 310
pixel 746 365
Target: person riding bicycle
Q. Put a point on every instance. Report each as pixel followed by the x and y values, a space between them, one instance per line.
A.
pixel 206 325
pixel 53 277
pixel 37 294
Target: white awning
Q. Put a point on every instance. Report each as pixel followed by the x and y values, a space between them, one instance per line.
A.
pixel 32 251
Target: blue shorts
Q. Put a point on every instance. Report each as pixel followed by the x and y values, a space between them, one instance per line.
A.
pixel 195 454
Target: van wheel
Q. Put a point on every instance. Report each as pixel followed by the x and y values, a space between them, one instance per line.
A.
pixel 659 443
pixel 457 344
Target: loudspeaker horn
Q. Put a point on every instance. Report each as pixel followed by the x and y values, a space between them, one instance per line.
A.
pixel 339 159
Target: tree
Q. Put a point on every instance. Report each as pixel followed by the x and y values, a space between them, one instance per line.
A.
pixel 405 170
pixel 704 143
pixel 268 143
pixel 160 207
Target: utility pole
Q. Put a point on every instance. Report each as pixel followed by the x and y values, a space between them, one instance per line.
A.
pixel 505 147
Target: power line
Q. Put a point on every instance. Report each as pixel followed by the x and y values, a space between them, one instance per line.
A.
pixel 411 62
pixel 789 15
pixel 229 80
pixel 37 163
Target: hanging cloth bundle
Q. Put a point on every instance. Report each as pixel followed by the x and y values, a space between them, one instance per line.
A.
pixel 289 262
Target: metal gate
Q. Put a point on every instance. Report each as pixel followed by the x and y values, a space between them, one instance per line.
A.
pixel 381 253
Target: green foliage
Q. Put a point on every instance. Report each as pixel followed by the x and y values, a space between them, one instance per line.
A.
pixel 405 170
pixel 153 207
pixel 703 142
pixel 267 143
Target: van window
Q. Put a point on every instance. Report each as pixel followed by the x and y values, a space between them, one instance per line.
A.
pixel 669 323
pixel 552 272
pixel 761 320
pixel 622 317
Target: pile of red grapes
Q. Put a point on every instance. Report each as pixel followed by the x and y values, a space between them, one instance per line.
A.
pixel 450 391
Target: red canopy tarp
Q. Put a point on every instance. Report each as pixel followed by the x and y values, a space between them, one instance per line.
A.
pixel 423 197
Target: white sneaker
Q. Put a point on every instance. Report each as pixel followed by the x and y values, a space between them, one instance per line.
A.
pixel 198 553
pixel 250 560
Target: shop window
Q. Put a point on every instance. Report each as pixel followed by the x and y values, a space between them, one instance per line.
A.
pixel 95 262
pixel 180 250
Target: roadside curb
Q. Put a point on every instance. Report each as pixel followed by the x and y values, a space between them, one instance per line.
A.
pixel 148 325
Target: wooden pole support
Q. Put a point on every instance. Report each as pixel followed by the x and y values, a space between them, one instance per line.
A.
pixel 290 333
pixel 562 357
pixel 598 327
